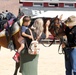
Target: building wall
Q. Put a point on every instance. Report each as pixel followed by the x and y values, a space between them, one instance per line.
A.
pixel 49 3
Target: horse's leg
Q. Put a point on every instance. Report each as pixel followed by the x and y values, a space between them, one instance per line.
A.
pixel 0 47
pixel 17 44
pixel 17 65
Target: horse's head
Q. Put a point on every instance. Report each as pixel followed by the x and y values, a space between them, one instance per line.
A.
pixel 57 27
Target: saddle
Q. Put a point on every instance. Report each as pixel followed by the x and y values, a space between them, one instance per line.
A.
pixel 6 20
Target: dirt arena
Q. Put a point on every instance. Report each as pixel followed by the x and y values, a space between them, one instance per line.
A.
pixel 50 62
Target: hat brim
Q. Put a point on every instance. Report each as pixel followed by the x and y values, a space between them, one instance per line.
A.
pixel 71 23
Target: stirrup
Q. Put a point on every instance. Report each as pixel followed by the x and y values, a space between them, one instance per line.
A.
pixel 11 45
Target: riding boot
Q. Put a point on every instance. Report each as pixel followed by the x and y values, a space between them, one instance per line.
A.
pixel 16 57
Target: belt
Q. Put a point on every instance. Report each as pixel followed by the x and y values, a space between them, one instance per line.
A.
pixel 73 47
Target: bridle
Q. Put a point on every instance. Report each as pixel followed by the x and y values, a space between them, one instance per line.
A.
pixel 62 26
pixel 55 29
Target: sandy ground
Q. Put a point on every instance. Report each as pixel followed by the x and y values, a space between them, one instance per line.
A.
pixel 50 62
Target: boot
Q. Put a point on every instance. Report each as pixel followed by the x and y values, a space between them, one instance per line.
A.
pixel 16 57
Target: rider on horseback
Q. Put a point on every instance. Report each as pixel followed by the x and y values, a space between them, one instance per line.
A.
pixel 25 26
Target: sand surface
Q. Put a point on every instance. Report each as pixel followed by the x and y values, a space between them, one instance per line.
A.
pixel 50 62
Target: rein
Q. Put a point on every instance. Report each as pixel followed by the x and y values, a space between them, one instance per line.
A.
pixel 49 44
pixel 51 27
pixel 54 36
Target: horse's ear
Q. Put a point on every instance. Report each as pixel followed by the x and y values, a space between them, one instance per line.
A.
pixel 61 16
pixel 57 16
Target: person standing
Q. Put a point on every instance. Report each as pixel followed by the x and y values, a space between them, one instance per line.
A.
pixel 70 47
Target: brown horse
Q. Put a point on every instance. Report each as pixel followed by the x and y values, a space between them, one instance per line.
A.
pixel 8 19
pixel 15 35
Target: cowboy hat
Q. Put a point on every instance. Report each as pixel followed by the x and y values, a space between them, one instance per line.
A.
pixel 71 21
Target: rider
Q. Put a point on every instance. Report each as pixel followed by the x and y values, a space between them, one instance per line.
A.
pixel 25 26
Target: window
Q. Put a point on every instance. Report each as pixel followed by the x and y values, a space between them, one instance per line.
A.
pixel 68 5
pixel 53 4
pixel 38 4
